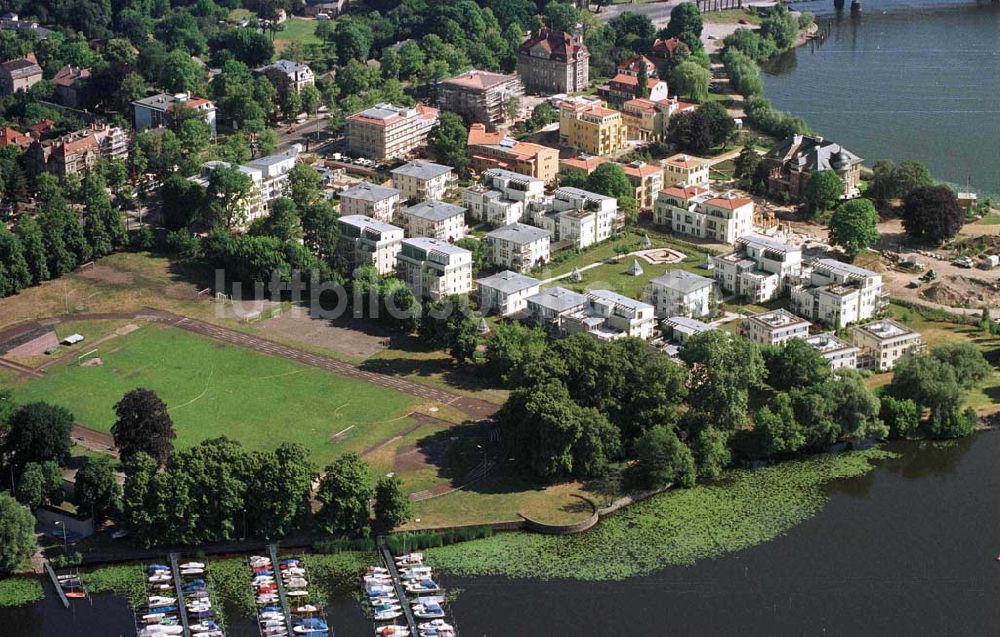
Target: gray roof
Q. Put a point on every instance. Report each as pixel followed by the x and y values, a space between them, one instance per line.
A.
pixel 814 153
pixel 508 282
pixel 683 281
pixel 558 299
pixel 509 174
pixel 766 242
pixel 285 66
pixel 428 244
pixel 846 268
pixel 363 221
pixel 422 170
pixel 270 160
pixel 688 323
pixel 434 210
pixel 519 233
pixel 369 192
pixel 580 192
pixel 613 297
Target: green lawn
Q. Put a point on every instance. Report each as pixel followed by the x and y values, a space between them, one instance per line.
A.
pixel 296 30
pixel 731 16
pixel 213 389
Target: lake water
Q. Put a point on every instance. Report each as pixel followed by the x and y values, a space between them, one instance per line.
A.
pixel 904 80
pixel 907 549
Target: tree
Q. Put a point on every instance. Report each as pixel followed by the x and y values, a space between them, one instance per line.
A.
pixel 40 483
pixel 931 214
pixel 305 185
pixel 181 199
pixel 883 183
pixel 900 416
pixel 854 226
pixel 392 505
pixel 510 348
pixel 194 134
pixel 723 369
pixel 690 132
pixel 312 99
pixel 17 534
pixel 684 18
pixel 664 459
pixel 411 60
pixel 777 429
pixel 642 86
pixel 610 179
pixel 561 16
pixel 691 79
pixel 910 175
pixel 711 452
pixel 720 122
pixel 823 191
pixel 29 235
pixel 283 222
pixel 279 490
pixel 966 361
pixel 745 167
pixel 102 222
pixel 39 432
pixel 14 272
pixel 345 491
pixel 931 385
pixel 448 141
pixel 181 73
pixel 781 27
pixel 227 195
pixel 143 426
pixel 855 408
pixel 96 490
pixel 319 230
pixel 795 364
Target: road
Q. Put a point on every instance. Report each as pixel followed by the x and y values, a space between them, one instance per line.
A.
pixel 315 124
pixel 658 12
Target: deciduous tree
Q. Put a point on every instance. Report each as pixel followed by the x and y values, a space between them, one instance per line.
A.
pixel 17 534
pixel 345 491
pixel 39 432
pixel 96 490
pixel 143 426
pixel 392 505
pixel 854 226
pixel 931 214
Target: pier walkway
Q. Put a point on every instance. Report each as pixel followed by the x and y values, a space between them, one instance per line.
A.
pixel 181 606
pixel 390 563
pixel 55 582
pixel 272 549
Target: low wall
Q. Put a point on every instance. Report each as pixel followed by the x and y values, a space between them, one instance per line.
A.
pixel 564 529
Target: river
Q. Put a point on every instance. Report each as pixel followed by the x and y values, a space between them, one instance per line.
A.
pixel 908 548
pixel 904 80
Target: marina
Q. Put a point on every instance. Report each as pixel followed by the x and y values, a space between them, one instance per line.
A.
pixel 284 604
pixel 403 589
pixel 177 602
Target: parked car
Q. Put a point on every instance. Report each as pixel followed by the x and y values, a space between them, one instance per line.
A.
pixel 963 262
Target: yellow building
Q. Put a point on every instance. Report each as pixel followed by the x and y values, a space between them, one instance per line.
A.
pixel 591 127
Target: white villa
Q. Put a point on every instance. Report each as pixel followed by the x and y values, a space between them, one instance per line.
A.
pixel 774 328
pixel 882 343
pixel 433 268
pixel 365 240
pixel 518 246
pixel 701 213
pixel 758 269
pixel 502 196
pixel 579 217
pixel 420 180
pixel 840 353
pixel 683 327
pixel 680 293
pixel 379 202
pixel 435 219
pixel 550 307
pixel 506 293
pixel 837 294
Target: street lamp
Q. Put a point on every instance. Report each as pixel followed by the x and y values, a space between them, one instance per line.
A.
pixel 483 449
pixel 65 547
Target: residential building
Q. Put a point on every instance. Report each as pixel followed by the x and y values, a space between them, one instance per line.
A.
pixel 253 206
pixel 685 170
pixel 549 308
pixel 840 353
pixel 610 316
pixel 379 202
pixel 790 164
pixel 385 131
pixel 624 86
pixel 662 50
pixel 681 328
pixel 506 293
pixel 588 125
pixel 480 96
pixel 435 219
pixel 578 217
pixel 648 120
pixel 77 152
pixel 11 22
pixel 838 294
pixel 68 82
pixel 514 185
pixel 759 269
pixel 553 62
pixel 325 10
pixel 680 293
pixel 518 246
pixel 274 171
pixel 19 75
pixel 10 136
pixel 287 75
pixel 364 240
pixel 646 179
pixel 502 196
pixel 882 343
pixel 434 269
pixel 699 212
pixel 496 150
pixel 774 328
pixel 421 180
pixel 157 111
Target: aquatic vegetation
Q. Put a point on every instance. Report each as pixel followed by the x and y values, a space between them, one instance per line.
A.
pixel 121 579
pixel 229 584
pixel 677 528
pixel 337 574
pixel 15 591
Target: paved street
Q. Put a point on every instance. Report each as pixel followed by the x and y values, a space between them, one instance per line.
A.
pixel 658 12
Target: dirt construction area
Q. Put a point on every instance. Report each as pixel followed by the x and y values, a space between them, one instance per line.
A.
pixel 339 337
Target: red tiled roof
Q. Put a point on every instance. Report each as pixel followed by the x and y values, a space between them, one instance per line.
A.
pixel 559 45
pixel 640 104
pixel 685 192
pixel 10 136
pixel 631 64
pixel 69 74
pixel 729 203
pixel 631 80
pixel 586 164
pixel 641 171
pixel 684 161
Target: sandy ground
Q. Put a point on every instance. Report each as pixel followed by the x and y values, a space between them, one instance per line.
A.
pixel 352 342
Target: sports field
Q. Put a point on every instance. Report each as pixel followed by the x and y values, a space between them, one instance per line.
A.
pixel 214 389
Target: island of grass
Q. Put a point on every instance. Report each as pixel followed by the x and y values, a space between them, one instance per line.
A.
pixel 215 389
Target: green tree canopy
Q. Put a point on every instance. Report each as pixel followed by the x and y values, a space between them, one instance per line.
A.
pixel 931 214
pixel 854 226
pixel 143 426
pixel 795 364
pixel 96 490
pixel 40 483
pixel 723 369
pixel 39 432
pixel 691 79
pixel 448 141
pixel 345 491
pixel 17 534
pixel 392 505
pixel 823 191
pixel 664 459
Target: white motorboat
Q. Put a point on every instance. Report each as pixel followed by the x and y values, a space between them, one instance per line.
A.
pixel 392 631
pixel 416 572
pixel 158 600
pixel 306 608
pixel 192 571
pixel 438 624
pixel 431 611
pixel 296 582
pixel 161 629
pixel 386 615
pixel 160 577
pixel 297 593
pixel 423 586
pixel 193 565
pixel 378 570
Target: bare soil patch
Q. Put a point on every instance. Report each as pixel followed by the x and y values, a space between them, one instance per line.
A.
pixel 962 291
pixel 36 346
pixel 342 337
pixel 105 274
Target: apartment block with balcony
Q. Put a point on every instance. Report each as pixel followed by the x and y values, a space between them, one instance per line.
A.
pixel 434 269
pixel 685 170
pixel 590 126
pixel 680 293
pixel 610 316
pixel 75 153
pixel 549 308
pixel 253 205
pixel 701 213
pixel 274 171
pixel 502 197
pixel 882 343
pixel 648 120
pixel 435 219
pixel 157 111
pixel 518 247
pixel 506 293
pixel 422 180
pixel 496 150
pixel 385 131
pixel 759 269
pixel 774 328
pixel 575 205
pixel 379 202
pixel 840 353
pixel 837 294
pixel 365 240
pixel 480 96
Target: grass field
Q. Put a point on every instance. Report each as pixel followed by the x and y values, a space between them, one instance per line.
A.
pixel 213 389
pixel 296 30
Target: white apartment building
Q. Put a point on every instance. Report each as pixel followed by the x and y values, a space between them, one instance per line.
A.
pixel 579 217
pixel 883 343
pixel 434 269
pixel 365 240
pixel 837 294
pixel 840 353
pixel 518 247
pixel 506 293
pixel 549 308
pixel 422 180
pixel 254 206
pixel 385 131
pixel 157 111
pixel 490 206
pixel 372 200
pixel 685 170
pixel 759 269
pixel 274 173
pixel 701 213
pixel 514 185
pixel 681 328
pixel 774 328
pixel 610 316
pixel 435 219
pixel 680 293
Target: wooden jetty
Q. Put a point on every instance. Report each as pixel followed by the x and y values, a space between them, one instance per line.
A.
pixel 272 549
pixel 181 606
pixel 55 582
pixel 390 563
